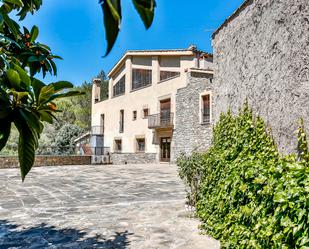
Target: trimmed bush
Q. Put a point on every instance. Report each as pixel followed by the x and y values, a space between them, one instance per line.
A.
pixel 245 192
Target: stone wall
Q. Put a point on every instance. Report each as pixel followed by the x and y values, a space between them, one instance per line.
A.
pixel 133 158
pixel 262 54
pixel 12 161
pixel 189 134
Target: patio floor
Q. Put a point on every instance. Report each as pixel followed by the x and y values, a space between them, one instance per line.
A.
pixel 131 206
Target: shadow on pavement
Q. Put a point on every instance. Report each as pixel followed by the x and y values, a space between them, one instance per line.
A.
pixel 45 236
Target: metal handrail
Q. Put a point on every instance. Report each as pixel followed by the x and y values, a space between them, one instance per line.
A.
pixel 97 130
pixel 161 120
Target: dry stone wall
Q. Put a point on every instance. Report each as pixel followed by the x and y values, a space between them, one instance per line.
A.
pixel 262 55
pixel 189 134
pixel 133 158
pixel 40 161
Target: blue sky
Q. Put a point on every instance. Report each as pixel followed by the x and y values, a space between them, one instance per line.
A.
pixel 74 30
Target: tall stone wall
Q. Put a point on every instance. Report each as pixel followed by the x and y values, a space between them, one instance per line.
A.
pixel 189 134
pixel 262 54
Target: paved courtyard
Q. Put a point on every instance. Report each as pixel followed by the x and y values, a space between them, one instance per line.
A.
pixel 131 206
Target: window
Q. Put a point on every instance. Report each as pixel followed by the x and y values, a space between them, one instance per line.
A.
pixel 121 121
pixel 206 109
pixel 145 112
pixel 119 87
pixel 164 75
pixel 141 78
pixel 118 145
pixel 140 144
pixel 134 115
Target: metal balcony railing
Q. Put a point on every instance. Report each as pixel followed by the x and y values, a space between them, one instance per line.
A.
pixel 161 120
pixel 205 116
pixel 97 130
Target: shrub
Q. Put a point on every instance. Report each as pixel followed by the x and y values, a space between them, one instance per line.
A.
pixel 248 195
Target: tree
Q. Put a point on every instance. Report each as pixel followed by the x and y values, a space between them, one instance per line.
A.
pixel 64 140
pixel 104 85
pixel 26 101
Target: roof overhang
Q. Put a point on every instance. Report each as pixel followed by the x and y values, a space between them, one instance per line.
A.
pixel 167 52
pixel 148 53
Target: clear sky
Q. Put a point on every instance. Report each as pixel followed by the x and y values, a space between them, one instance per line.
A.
pixel 74 30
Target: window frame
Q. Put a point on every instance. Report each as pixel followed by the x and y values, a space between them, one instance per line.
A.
pixel 116 145
pixel 142 85
pixel 148 112
pixel 122 91
pixel 121 121
pixel 201 105
pixel 177 74
pixel 137 150
pixel 134 115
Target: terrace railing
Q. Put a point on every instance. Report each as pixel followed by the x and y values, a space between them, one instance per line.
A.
pixel 97 130
pixel 161 120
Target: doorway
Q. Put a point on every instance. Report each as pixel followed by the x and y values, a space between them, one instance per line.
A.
pixel 165 148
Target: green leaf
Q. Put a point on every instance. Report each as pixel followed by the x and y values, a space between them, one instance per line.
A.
pixel 32 120
pixel 5 129
pixel 112 18
pixel 13 78
pixel 19 3
pixel 34 58
pixel 37 86
pixel 60 85
pixel 1 20
pixel 12 25
pixel 23 75
pixel 145 9
pixel 27 144
pixel 54 67
pixel 34 33
pixel 9 40
pixel 46 116
pixel 64 95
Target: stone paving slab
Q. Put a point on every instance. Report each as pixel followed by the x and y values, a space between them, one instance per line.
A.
pixel 123 206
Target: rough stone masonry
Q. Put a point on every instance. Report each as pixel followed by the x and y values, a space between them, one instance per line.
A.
pixel 189 134
pixel 262 53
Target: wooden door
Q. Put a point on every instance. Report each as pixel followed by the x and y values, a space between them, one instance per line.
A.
pixel 165 147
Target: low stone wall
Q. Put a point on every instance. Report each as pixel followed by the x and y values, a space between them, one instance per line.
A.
pixel 12 161
pixel 133 158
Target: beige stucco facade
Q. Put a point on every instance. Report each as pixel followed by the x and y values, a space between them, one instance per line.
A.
pixel 147 97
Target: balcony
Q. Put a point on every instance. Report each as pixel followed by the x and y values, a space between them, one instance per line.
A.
pixel 161 120
pixel 97 130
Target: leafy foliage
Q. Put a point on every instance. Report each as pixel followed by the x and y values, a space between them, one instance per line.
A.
pixel 104 85
pixel 247 194
pixel 25 101
pixel 64 140
pixel 113 15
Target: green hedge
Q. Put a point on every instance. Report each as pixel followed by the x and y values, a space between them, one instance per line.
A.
pixel 245 192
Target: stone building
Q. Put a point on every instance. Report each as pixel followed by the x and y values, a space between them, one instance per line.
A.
pixel 154 96
pixel 261 53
